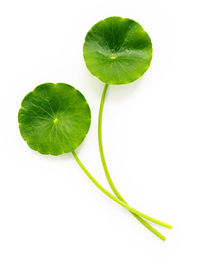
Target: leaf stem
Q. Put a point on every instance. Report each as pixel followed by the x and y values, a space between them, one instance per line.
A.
pixel 114 197
pixel 114 189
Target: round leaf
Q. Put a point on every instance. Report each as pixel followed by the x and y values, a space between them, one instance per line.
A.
pixel 117 50
pixel 54 118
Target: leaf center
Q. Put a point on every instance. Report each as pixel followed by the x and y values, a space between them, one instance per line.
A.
pixel 113 57
pixel 55 120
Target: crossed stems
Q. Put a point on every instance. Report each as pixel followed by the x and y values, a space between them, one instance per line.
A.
pixel 118 198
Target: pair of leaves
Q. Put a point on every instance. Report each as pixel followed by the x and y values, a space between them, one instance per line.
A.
pixel 55 118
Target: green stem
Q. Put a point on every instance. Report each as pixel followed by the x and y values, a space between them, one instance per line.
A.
pixel 114 189
pixel 115 198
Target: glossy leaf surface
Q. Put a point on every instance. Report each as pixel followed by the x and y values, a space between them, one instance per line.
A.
pixel 117 50
pixel 54 118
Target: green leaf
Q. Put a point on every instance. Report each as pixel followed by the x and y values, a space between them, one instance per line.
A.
pixel 54 118
pixel 117 50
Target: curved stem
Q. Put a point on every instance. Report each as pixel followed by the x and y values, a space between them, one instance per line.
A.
pixel 114 189
pixel 101 145
pixel 115 198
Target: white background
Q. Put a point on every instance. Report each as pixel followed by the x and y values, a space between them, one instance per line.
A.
pixel 50 213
